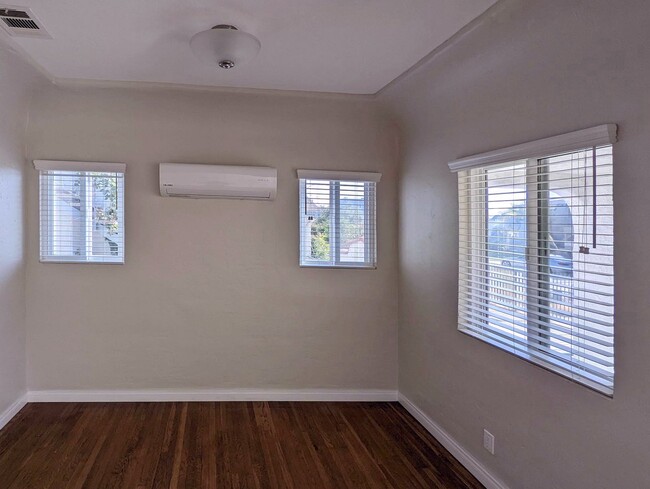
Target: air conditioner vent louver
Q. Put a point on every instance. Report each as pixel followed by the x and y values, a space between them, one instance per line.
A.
pixel 19 22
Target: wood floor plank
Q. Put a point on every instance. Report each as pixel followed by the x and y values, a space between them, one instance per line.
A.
pixel 293 448
pixel 278 471
pixel 151 447
pixel 98 440
pixel 208 453
pixel 309 420
pixel 231 445
pixel 163 475
pixel 359 450
pixel 417 440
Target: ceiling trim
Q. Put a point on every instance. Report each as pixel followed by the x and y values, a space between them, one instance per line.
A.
pixel 146 85
pixel 14 47
pixel 483 18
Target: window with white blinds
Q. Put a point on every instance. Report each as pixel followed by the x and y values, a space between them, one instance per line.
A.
pixel 81 211
pixel 536 260
pixel 338 219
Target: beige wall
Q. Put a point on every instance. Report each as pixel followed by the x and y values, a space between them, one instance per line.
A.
pixel 211 295
pixel 17 81
pixel 538 68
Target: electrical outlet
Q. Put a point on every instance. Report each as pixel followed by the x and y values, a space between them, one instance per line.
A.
pixel 488 441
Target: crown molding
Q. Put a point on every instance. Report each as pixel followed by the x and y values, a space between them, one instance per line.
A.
pixel 455 39
pixel 147 85
pixel 12 46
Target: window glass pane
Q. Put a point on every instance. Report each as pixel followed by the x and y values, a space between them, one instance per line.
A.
pixel 337 223
pixel 82 216
pixel 580 251
pixel 106 222
pixel 320 236
pixel 67 231
pixel 536 268
pixel 316 221
pixel 506 243
pixel 353 221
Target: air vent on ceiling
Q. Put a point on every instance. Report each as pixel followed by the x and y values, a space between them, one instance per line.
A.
pixel 18 21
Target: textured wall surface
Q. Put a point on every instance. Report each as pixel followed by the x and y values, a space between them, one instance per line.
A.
pixel 17 81
pixel 532 69
pixel 211 295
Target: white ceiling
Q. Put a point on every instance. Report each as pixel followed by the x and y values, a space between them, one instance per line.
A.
pixel 347 46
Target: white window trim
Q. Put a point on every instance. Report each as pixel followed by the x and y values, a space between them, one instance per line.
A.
pixel 605 134
pixel 573 141
pixel 54 165
pixel 349 176
pixel 81 166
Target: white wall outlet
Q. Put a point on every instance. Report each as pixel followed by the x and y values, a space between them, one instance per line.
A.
pixel 488 441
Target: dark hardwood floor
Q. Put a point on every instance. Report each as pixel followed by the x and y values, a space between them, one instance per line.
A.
pixel 223 445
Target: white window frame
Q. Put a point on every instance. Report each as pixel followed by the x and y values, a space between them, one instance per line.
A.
pixel 46 227
pixel 335 178
pixel 531 153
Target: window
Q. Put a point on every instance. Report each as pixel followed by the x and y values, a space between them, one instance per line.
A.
pixel 81 212
pixel 536 260
pixel 338 219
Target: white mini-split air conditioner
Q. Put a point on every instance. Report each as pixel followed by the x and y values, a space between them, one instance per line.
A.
pixel 218 181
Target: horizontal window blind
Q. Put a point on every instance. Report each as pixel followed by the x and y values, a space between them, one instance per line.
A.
pixel 536 267
pixel 338 223
pixel 81 214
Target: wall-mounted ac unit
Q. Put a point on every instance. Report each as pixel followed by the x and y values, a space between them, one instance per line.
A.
pixel 218 181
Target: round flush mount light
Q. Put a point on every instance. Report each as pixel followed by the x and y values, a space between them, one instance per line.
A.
pixel 225 46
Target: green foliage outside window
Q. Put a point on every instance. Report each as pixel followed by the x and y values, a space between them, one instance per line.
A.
pixel 320 237
pixel 107 216
pixel 352 228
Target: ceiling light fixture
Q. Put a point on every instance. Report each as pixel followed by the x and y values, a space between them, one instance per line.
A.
pixel 225 46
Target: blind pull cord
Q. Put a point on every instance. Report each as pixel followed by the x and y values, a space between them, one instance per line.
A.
pixel 305 195
pixel 594 188
pixel 594 213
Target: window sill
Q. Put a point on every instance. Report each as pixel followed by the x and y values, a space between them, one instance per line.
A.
pixel 82 262
pixel 549 367
pixel 344 267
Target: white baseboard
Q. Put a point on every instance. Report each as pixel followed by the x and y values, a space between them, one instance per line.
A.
pixel 185 395
pixel 12 410
pixel 462 455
